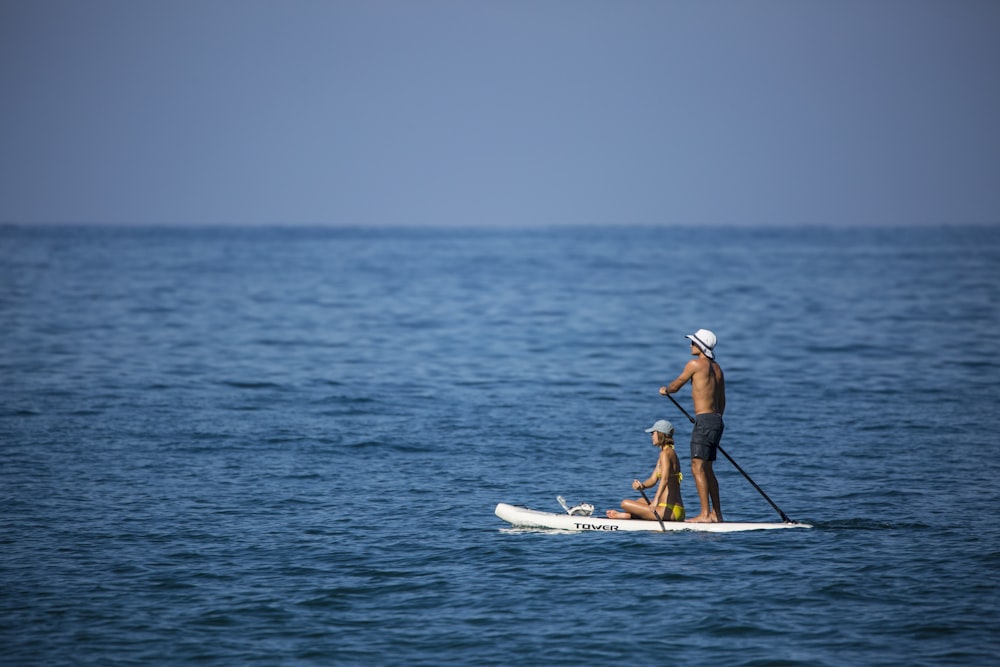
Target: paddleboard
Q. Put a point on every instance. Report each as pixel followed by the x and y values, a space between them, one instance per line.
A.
pixel 524 517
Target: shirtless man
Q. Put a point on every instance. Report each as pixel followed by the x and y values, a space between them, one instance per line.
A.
pixel 708 389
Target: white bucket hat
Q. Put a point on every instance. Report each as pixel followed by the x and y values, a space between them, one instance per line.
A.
pixel 705 340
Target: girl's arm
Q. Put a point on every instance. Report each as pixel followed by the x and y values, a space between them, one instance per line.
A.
pixel 654 477
pixel 663 468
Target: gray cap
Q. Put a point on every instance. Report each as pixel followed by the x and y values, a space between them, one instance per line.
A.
pixel 662 426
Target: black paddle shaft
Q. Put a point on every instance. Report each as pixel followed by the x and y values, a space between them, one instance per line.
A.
pixel 662 527
pixel 784 517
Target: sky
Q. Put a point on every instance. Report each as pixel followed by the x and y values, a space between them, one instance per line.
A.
pixel 505 113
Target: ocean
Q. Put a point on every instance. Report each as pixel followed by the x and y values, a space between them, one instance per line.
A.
pixel 284 446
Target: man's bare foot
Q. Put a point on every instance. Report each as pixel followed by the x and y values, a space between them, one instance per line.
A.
pixel 705 518
pixel 615 514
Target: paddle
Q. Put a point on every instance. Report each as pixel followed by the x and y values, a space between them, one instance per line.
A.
pixel 662 527
pixel 784 517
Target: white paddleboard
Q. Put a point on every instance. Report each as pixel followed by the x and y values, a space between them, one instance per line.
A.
pixel 529 518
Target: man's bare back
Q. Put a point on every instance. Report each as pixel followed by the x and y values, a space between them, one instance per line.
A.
pixel 708 385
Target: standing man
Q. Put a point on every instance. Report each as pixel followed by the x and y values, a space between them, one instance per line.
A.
pixel 708 390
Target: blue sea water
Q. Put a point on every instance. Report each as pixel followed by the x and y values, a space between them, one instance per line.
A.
pixel 284 446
